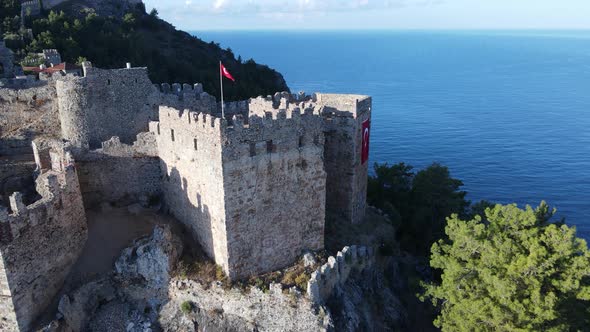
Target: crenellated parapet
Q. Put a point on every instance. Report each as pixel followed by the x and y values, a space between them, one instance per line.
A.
pixel 40 242
pixel 278 132
pixel 53 183
pixel 283 101
pixel 334 274
pixel 120 102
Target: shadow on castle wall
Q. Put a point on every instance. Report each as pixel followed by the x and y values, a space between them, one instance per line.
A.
pixel 190 211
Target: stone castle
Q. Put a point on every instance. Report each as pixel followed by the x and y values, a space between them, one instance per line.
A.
pixel 254 188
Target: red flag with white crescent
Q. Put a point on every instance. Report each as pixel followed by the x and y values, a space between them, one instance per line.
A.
pixel 225 72
pixel 365 141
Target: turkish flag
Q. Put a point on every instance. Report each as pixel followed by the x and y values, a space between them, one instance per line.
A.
pixel 225 72
pixel 365 141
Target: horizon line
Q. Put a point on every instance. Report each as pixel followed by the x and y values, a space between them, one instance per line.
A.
pixel 536 29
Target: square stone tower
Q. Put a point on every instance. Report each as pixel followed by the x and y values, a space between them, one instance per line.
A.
pixel 346 126
pixel 251 192
pixel 347 130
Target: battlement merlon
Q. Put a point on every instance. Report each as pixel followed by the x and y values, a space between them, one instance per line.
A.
pixel 353 104
pixel 327 104
pixel 57 178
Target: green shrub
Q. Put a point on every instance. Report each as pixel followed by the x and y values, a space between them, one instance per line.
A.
pixel 186 307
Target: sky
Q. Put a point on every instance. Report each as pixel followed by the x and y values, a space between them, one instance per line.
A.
pixel 373 14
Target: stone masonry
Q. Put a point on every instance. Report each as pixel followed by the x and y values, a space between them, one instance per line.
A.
pixel 254 188
pixel 39 243
pixel 252 194
pixel 341 117
pixel 118 102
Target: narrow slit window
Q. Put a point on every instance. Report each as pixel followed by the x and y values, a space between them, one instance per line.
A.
pixel 269 146
pixel 252 149
pixel 108 82
pixel 172 134
pixel 195 144
pixel 158 129
pixel 301 141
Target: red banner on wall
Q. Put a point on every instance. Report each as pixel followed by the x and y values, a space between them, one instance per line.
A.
pixel 365 141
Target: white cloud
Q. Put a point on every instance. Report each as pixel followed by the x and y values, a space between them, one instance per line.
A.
pixel 219 4
pixel 301 6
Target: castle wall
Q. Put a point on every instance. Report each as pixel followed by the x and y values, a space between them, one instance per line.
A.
pixel 119 173
pixel 105 103
pixel 334 274
pixel 26 114
pixel 189 146
pixel 39 243
pixel 15 175
pixel 274 182
pixel 119 102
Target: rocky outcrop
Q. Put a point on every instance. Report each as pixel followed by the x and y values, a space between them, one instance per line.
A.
pixel 366 301
pixel 193 307
pixel 130 297
pixel 150 259
pixel 77 308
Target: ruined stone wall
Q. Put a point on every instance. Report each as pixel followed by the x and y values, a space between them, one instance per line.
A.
pixel 274 182
pixel 39 243
pixel 119 173
pixel 334 274
pixel 26 114
pixel 16 174
pixel 189 146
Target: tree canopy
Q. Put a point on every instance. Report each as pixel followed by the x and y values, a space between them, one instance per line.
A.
pixel 513 270
pixel 419 202
pixel 109 41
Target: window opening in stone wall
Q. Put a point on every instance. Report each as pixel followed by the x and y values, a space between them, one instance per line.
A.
pixel 108 82
pixel 1 69
pixel 172 134
pixel 252 149
pixel 269 146
pixel 158 129
pixel 300 141
pixel 195 143
pixel 136 80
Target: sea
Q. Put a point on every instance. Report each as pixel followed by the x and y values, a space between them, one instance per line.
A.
pixel 507 111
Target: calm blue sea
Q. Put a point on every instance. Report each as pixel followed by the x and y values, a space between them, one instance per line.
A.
pixel 508 112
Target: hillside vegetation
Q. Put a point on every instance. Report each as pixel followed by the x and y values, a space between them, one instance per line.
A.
pixel 110 33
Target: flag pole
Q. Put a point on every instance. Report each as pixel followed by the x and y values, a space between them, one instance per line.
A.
pixel 221 82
